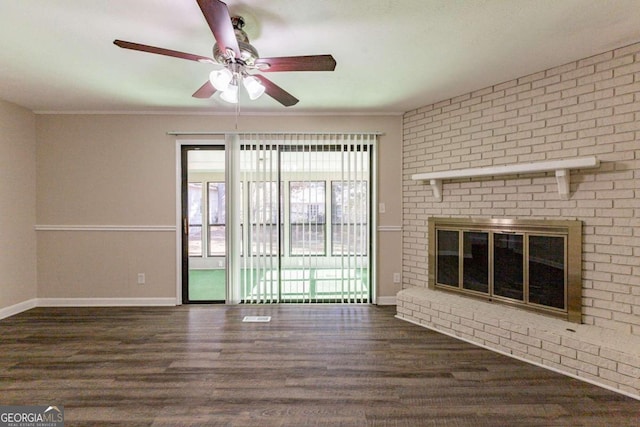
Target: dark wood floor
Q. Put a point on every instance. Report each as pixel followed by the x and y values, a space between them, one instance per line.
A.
pixel 312 365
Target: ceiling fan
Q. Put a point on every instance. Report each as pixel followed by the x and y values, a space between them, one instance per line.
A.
pixel 239 59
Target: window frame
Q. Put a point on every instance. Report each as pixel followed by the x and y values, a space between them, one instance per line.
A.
pixel 190 223
pixel 211 225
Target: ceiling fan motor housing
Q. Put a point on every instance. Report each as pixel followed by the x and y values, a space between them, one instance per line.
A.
pixel 248 53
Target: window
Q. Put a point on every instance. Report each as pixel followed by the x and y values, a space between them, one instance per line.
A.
pixel 349 217
pixel 217 220
pixel 307 217
pixel 195 219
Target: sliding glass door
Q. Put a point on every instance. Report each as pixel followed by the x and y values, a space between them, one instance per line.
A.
pixel 305 212
pixel 278 218
pixel 204 275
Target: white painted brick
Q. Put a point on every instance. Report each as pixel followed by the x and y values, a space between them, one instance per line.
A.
pixel 630 88
pixel 629 389
pixel 558 349
pixel 562 69
pixel 428 312
pixel 614 63
pixel 527 340
pixel 581 346
pixel 513 345
pixel 411 306
pixel 578 90
pixel 443 308
pixel 487 337
pixel 497 331
pixel 596 59
pixel 528 356
pixel 545 82
pixel 463 329
pixel 422 317
pixel 579 366
pixel 597 361
pixel 449 318
pixel 631 68
pixel 438 322
pixel 632 360
pixel 595 77
pixel 499 347
pixel 461 312
pixel 531 77
pixel 628 370
pixel 545 355
pixel 559 367
pixel 403 311
pixel 617 377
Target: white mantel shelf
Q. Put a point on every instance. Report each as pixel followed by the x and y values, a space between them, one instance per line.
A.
pixel 561 167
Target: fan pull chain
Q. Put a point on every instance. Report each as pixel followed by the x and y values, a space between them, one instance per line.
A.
pixel 237 112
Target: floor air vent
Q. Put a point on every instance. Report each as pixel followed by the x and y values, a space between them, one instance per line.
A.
pixel 257 319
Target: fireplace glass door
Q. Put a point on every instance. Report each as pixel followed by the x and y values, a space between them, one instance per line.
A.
pixel 524 264
pixel 547 271
pixel 475 250
pixel 448 258
pixel 508 266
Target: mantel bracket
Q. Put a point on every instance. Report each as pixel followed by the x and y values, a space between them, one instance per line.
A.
pixel 563 178
pixel 436 187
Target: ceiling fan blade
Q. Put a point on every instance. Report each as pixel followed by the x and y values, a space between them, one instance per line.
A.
pixel 276 92
pixel 206 91
pixel 298 63
pixel 161 51
pixel 217 15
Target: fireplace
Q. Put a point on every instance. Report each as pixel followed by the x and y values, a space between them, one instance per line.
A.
pixel 533 264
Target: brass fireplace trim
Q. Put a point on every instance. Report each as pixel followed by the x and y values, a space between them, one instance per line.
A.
pixel 571 229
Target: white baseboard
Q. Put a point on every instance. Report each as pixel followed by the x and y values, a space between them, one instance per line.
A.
pixel 18 308
pixel 105 302
pixel 386 300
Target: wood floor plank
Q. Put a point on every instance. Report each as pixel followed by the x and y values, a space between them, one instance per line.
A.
pixel 312 365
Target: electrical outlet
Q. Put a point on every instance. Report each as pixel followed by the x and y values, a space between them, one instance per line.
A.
pixel 396 278
pixel 382 208
pixel 141 279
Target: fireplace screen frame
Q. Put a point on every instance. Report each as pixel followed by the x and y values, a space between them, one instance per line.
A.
pixel 569 230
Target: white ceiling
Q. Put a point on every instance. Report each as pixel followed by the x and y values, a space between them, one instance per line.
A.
pixel 392 56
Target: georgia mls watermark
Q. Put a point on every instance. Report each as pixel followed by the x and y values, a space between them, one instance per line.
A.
pixel 31 416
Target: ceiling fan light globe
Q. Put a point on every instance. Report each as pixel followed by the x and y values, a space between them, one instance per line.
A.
pixel 220 79
pixel 254 88
pixel 230 94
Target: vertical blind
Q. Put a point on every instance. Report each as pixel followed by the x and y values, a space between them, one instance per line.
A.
pixel 304 211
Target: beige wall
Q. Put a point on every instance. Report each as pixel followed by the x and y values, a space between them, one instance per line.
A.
pixel 97 170
pixel 589 107
pixel 17 205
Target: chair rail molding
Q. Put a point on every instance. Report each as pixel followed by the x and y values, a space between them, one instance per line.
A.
pixel 561 168
pixel 48 227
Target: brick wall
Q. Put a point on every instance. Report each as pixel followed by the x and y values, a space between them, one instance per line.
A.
pixel 589 107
